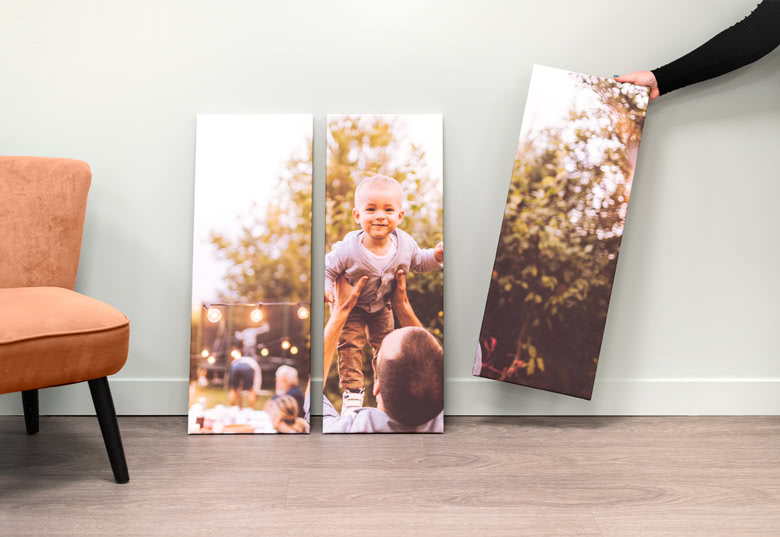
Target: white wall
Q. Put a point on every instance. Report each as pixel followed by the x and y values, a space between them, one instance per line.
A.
pixel 693 326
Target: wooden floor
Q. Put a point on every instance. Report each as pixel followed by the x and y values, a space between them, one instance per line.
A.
pixel 488 476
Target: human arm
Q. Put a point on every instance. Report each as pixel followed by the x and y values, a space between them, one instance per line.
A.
pixel 427 259
pixel 345 296
pixel 743 43
pixel 335 264
pixel 400 302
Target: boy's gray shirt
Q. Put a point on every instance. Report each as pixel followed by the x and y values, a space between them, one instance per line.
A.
pixel 347 257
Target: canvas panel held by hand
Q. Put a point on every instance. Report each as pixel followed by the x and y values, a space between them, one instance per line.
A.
pixel 557 252
pixel 251 275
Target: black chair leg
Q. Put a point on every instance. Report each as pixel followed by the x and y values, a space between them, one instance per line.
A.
pixel 106 415
pixel 30 404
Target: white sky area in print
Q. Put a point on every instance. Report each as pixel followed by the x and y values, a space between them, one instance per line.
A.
pixel 238 162
pixel 422 130
pixel 551 95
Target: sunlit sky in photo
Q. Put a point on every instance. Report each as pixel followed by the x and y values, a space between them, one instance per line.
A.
pixel 238 162
pixel 422 130
pixel 551 96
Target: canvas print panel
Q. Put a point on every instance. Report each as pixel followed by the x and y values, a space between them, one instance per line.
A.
pixel 383 363
pixel 557 253
pixel 251 276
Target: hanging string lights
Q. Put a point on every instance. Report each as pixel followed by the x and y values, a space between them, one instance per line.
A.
pixel 214 314
pixel 219 312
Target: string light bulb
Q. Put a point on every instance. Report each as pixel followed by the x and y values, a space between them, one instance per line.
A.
pixel 212 359
pixel 213 315
pixel 236 354
pixel 303 313
pixel 285 344
pixel 204 353
pixel 293 350
pixel 264 351
pixel 256 315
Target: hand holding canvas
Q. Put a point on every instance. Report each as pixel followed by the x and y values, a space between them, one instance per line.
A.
pixel 752 38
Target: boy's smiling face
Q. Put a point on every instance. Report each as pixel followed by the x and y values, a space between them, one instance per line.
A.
pixel 378 209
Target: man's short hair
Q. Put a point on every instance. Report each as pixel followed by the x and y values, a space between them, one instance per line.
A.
pixel 411 383
pixel 288 372
pixel 381 181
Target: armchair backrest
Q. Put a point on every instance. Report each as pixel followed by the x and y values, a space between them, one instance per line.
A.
pixel 42 206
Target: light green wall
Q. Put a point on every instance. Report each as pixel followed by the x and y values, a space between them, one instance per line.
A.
pixel 693 325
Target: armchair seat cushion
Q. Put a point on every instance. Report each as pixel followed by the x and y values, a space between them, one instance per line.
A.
pixel 51 336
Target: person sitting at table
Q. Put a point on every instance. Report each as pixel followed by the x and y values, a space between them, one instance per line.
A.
pixel 287 383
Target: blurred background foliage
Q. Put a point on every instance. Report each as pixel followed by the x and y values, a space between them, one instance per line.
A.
pixel 361 146
pixel 559 242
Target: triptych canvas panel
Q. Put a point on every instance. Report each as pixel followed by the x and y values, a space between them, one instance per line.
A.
pixel 383 367
pixel 558 249
pixel 251 277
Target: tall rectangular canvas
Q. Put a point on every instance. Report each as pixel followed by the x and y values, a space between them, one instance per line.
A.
pixel 251 275
pixel 558 249
pixel 383 362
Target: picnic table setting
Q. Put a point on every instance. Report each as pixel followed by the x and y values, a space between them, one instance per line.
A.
pixel 223 419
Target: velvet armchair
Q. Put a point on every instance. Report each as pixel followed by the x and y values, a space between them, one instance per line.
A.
pixel 51 335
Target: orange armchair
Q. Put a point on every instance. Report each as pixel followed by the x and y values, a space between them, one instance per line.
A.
pixel 49 334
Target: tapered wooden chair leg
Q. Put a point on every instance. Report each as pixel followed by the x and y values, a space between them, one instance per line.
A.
pixel 106 415
pixel 30 404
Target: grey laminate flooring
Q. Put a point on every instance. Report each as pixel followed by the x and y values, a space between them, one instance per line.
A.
pixel 610 476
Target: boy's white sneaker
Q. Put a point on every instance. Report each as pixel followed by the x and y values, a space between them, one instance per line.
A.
pixel 351 400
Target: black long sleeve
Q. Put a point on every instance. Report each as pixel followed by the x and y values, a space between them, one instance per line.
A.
pixel 753 37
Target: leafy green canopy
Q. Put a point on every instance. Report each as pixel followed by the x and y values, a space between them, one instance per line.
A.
pixel 559 243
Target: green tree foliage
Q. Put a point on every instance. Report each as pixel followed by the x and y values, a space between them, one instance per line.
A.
pixel 559 243
pixel 271 258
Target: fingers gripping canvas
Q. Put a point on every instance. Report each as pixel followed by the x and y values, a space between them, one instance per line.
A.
pixel 383 355
pixel 251 277
pixel 558 248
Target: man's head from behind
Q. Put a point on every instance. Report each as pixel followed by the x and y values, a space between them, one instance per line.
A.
pixel 409 376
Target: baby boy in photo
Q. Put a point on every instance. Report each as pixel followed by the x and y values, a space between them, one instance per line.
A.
pixel 377 250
